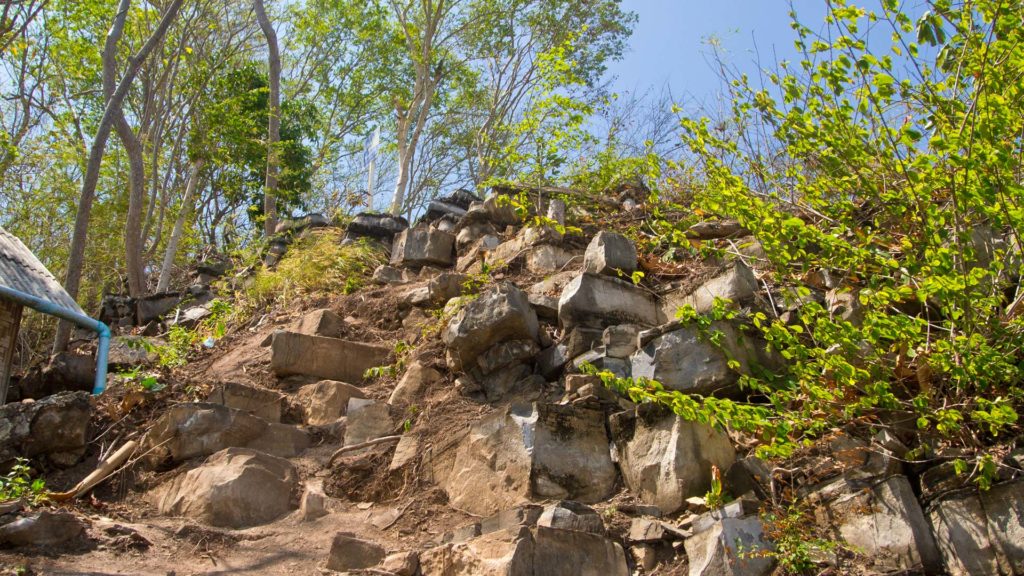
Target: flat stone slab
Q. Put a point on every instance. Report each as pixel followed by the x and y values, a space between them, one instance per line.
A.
pixel 328 358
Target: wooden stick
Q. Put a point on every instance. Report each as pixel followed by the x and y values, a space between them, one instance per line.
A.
pixel 367 444
pixel 101 473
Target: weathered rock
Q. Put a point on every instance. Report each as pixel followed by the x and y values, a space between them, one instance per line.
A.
pixel 665 459
pixel 320 323
pixel 42 529
pixel 547 258
pixel 728 546
pixel 378 226
pixel 683 359
pixel 507 354
pixel 502 553
pixel 982 533
pixel 531 451
pixel 198 429
pixel 407 450
pixel 131 351
pixel 885 523
pixel 646 530
pixel 600 301
pixel 149 308
pixel 737 284
pixel 423 246
pixel 598 359
pixel 324 402
pixel 402 564
pixel 507 253
pixel 620 341
pixel 749 474
pixel 65 372
pixel 570 515
pixel 442 288
pixel 575 553
pixel 473 243
pixel 328 358
pixel 417 378
pixel 367 420
pixel 385 274
pixel 55 427
pixel 234 488
pixel 266 404
pixel 351 553
pixel 297 225
pixel 541 551
pixel 501 314
pixel 552 360
pixel 610 253
pixel 313 504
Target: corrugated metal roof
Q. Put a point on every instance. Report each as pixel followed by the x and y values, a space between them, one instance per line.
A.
pixel 22 271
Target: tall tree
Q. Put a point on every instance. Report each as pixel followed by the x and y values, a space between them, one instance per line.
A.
pixel 274 121
pixel 73 277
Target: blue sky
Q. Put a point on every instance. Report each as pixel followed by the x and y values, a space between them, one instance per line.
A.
pixel 669 41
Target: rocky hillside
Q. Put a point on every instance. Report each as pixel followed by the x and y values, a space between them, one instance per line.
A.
pixel 473 409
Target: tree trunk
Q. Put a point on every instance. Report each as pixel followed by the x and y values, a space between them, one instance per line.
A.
pixel 76 258
pixel 274 122
pixel 136 163
pixel 179 226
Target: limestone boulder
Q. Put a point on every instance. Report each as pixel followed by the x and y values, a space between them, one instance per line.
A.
pixel 190 430
pixel 599 301
pixel 498 315
pixel 292 353
pixel 323 402
pixel 55 427
pixel 376 226
pixel 736 283
pixel 981 532
pixel 266 404
pixel 423 246
pixel 610 253
pixel 726 542
pixel 684 359
pixel 234 488
pixel 417 379
pixel 351 553
pixel 665 459
pixel 531 451
pixel 540 551
pixel 43 528
pixel 320 323
pixel 367 420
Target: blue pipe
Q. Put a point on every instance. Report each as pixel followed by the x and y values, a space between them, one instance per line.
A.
pixel 47 307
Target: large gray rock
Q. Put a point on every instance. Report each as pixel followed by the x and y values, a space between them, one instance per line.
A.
pixel 234 488
pixel 423 246
pixel 55 427
pixel 42 529
pixel 530 451
pixel 982 533
pixel 325 401
pixel 417 379
pixel 199 429
pixel 570 515
pixel 501 314
pixel 883 522
pixel 665 459
pixel 320 323
pixel 381 227
pixel 685 360
pixel 728 546
pixel 737 283
pixel 266 404
pixel 328 358
pixel 539 551
pixel 351 553
pixel 547 258
pixel 367 420
pixel 610 253
pixel 599 301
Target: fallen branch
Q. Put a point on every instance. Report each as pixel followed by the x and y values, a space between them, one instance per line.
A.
pixel 101 473
pixel 367 444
